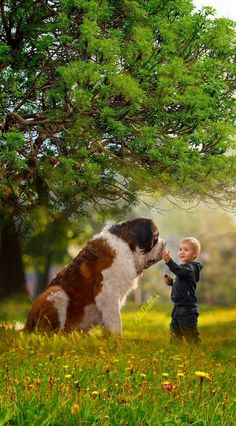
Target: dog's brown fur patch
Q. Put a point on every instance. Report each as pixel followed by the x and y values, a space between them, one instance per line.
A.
pixel 43 315
pixel 81 280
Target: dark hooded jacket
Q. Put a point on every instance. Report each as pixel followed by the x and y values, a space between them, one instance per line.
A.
pixel 184 286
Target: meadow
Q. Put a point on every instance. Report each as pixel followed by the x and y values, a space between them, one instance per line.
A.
pixel 141 379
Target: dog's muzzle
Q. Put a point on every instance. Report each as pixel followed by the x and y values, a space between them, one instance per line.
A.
pixel 155 255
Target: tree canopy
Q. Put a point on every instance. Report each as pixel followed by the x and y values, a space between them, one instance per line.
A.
pixel 101 99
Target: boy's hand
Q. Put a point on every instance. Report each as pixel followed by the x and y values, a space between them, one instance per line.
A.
pixel 166 255
pixel 167 279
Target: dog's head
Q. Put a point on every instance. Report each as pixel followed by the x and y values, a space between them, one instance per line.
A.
pixel 142 236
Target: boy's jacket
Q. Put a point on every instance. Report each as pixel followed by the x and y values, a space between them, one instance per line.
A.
pixel 184 286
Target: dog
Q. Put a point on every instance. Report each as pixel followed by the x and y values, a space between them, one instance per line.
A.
pixel 92 289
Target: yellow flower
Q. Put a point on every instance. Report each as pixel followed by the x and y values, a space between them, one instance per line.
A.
pixel 180 373
pixel 107 368
pixel 202 374
pixel 174 388
pixel 75 409
pixel 8 326
pixel 165 374
pixel 67 376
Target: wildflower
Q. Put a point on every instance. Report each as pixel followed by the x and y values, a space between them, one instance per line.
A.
pixel 67 376
pixel 180 373
pixel 202 374
pixel 131 368
pixel 107 368
pixel 75 409
pixel 168 386
pixel 174 388
pixel 165 374
pixel 8 326
pixel 143 375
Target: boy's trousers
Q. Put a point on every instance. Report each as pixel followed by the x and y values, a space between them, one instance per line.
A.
pixel 184 324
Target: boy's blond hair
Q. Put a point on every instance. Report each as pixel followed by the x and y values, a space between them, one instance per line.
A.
pixel 194 243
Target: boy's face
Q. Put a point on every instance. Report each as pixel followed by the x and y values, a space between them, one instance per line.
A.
pixel 186 252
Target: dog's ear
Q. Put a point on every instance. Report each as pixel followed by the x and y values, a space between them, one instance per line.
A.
pixel 141 233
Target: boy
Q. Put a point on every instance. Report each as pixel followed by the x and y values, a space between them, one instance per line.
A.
pixel 185 312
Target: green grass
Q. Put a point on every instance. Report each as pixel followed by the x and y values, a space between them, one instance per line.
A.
pixel 91 380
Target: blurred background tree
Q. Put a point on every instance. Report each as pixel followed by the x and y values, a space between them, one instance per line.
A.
pixel 101 100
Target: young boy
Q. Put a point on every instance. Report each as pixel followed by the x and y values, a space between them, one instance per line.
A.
pixel 185 312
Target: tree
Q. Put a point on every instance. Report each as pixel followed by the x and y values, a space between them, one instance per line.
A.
pixel 101 99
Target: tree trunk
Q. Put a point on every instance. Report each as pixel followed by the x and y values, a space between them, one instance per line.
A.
pixel 12 279
pixel 42 278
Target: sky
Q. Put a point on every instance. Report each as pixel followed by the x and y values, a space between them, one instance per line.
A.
pixel 226 8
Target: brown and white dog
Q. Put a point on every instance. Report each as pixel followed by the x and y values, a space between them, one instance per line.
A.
pixel 92 289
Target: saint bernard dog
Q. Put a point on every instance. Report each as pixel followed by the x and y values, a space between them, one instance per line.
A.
pixel 92 289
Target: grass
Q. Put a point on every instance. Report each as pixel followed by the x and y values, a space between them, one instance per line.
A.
pixel 138 380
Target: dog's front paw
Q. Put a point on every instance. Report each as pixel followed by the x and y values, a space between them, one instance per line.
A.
pixel 115 334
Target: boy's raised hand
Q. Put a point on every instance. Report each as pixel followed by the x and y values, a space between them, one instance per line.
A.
pixel 166 255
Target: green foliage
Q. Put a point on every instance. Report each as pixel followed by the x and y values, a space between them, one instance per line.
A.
pixel 4 53
pixel 105 93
